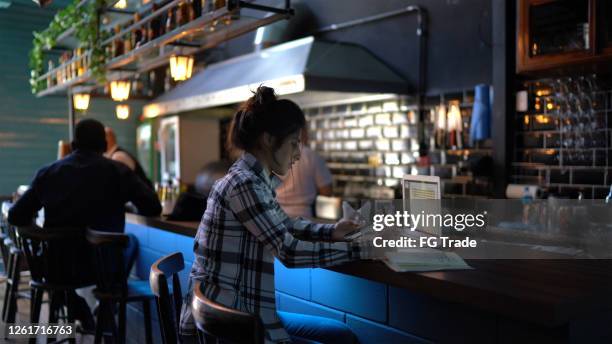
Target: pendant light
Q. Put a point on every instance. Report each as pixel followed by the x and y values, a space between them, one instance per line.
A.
pixel 80 101
pixel 120 90
pixel 181 67
pixel 122 111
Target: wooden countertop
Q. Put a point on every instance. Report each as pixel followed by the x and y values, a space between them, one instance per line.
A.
pixel 546 292
pixel 188 228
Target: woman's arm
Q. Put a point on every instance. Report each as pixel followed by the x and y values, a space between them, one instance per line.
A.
pixel 256 211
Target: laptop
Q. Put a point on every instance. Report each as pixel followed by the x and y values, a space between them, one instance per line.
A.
pixel 421 194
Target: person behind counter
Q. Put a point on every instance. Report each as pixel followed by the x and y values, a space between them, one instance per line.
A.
pixel 115 152
pixel 308 178
pixel 243 219
pixel 85 189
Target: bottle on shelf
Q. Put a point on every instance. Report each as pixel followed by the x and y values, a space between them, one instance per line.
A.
pixel 219 4
pixel 170 21
pixel 609 196
pixel 197 6
pixel 189 4
pixel 181 14
pixel 127 43
pixel 137 36
pixel 49 74
pixel 80 70
pixel 74 68
pixel 58 72
pixel 117 49
pixel 155 25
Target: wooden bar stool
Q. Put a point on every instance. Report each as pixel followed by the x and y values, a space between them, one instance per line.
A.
pixel 60 262
pixel 216 322
pixel 113 286
pixel 169 301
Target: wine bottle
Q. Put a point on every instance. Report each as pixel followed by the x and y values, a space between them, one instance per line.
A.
pixel 136 33
pixel 49 75
pixel 58 72
pixel 155 24
pixel 190 10
pixel 127 43
pixel 197 6
pixel 170 21
pixel 181 15
pixel 117 43
pixel 219 4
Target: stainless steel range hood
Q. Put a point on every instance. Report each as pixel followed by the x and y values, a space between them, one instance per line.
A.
pixel 305 70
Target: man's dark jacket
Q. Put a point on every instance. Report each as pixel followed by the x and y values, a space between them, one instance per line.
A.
pixel 84 189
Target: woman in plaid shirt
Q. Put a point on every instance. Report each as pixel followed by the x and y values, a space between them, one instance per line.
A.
pixel 244 229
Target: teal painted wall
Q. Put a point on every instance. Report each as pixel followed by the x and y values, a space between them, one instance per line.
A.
pixel 30 127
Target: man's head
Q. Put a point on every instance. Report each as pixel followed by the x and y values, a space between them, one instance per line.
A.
pixel 111 138
pixel 89 136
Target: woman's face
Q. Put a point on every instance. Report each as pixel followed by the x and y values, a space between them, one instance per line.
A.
pixel 287 154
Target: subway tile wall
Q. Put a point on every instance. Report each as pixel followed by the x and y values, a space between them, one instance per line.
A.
pixel 369 146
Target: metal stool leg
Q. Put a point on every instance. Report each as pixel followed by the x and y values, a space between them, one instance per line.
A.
pixel 9 283
pixel 146 309
pixel 100 322
pixel 35 308
pixel 69 315
pixel 14 290
pixel 122 324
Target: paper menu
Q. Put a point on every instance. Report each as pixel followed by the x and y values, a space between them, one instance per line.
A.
pixel 424 259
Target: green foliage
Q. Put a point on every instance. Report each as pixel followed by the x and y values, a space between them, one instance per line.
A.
pixel 85 21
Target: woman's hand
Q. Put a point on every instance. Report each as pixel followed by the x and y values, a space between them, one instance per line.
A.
pixel 344 227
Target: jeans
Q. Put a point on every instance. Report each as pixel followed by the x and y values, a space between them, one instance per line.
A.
pixel 309 329
pixel 84 301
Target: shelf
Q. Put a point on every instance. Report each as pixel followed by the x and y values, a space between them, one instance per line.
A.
pixel 539 166
pixel 67 41
pixel 198 32
pixel 546 132
pixel 65 86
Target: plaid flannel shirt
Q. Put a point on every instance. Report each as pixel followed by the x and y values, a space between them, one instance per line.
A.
pixel 241 232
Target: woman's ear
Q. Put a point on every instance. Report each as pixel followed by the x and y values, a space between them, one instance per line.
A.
pixel 267 140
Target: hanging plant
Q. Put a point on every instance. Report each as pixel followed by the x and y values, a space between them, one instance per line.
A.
pixel 84 20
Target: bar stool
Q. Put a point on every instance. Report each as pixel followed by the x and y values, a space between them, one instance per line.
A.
pixel 60 262
pixel 169 311
pixel 113 286
pixel 216 322
pixel 17 274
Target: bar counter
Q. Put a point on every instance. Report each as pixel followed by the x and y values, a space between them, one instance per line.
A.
pixel 500 301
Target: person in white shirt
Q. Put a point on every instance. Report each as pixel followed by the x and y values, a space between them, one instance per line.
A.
pixel 308 178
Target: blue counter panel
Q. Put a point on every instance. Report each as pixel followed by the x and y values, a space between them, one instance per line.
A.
pixel 184 244
pixel 438 320
pixel 289 303
pixel 146 258
pixel 350 294
pixel 295 282
pixel 162 241
pixel 372 332
pixel 155 243
pixel 141 233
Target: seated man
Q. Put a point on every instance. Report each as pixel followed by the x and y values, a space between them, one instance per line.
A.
pixel 85 189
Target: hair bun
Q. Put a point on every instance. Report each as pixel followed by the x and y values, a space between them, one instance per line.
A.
pixel 264 96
